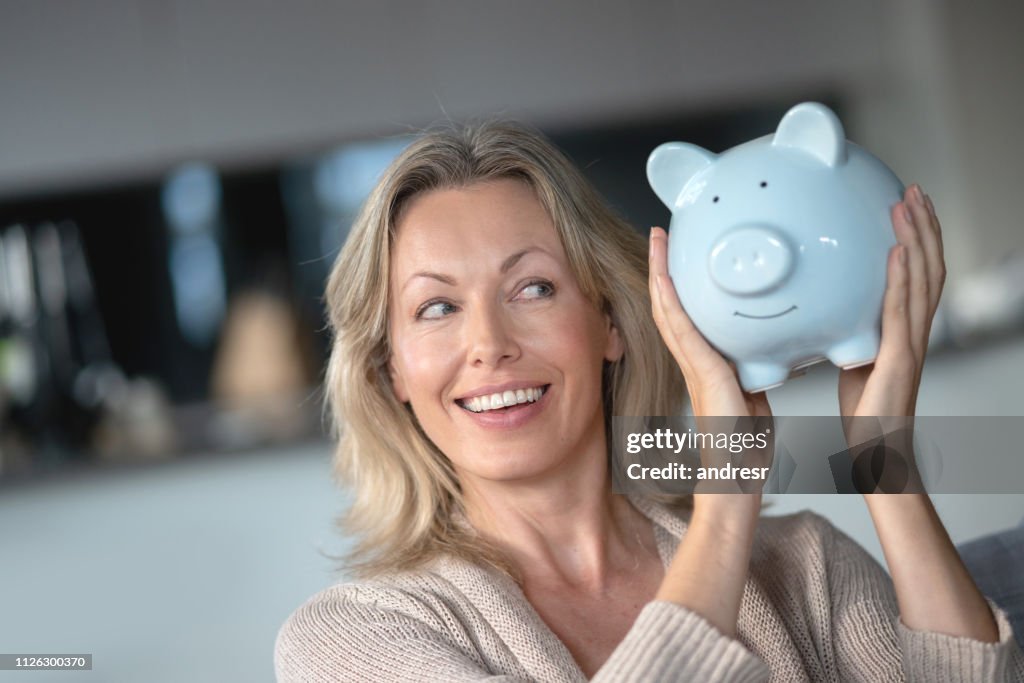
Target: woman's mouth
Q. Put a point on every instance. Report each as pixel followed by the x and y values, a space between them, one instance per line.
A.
pixel 502 401
pixel 508 409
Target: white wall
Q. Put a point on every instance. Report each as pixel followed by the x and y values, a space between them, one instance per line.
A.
pixel 108 89
pixel 942 111
pixel 176 572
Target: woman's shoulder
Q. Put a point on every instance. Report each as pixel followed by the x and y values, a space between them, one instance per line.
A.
pixel 418 594
pixel 439 596
pixel 805 524
pixel 806 530
pixel 450 616
pixel 805 554
pixel 352 620
pixel 803 541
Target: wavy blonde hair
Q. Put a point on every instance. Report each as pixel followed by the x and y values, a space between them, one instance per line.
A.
pixel 406 494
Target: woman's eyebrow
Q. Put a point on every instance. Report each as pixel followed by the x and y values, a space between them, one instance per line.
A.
pixel 506 266
pixel 447 279
pixel 512 260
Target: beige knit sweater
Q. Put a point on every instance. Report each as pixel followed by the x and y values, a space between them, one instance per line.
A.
pixel 816 607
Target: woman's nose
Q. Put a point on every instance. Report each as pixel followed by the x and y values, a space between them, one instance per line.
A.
pixel 490 337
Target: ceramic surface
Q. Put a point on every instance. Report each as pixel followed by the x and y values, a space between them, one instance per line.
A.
pixel 778 247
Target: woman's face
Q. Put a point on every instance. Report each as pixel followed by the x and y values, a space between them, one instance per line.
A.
pixel 493 343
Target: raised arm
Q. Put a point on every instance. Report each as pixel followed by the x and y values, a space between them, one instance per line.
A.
pixel 934 590
pixel 873 642
pixel 710 568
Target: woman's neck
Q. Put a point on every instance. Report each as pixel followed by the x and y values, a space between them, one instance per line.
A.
pixel 568 528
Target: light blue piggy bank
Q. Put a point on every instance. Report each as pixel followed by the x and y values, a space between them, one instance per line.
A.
pixel 778 247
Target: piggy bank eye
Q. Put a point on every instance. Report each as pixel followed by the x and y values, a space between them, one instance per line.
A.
pixel 764 183
pixel 715 200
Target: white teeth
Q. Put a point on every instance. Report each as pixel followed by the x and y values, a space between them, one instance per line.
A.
pixel 478 404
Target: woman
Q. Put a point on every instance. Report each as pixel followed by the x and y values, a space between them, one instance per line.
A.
pixel 490 314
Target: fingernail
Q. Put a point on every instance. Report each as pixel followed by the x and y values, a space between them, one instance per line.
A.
pixel 918 195
pixel 906 214
pixel 931 207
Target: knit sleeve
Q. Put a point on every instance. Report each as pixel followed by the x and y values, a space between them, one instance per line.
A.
pixel 939 657
pixel 872 643
pixel 338 638
pixel 670 642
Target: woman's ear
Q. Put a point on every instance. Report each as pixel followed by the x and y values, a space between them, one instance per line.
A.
pixel 614 349
pixel 397 382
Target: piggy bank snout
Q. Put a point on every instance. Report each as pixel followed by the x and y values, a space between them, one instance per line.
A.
pixel 750 259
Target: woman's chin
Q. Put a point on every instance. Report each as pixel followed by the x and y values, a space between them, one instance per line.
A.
pixel 508 465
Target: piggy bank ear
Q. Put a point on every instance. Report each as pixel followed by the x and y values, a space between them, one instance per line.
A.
pixel 671 166
pixel 815 129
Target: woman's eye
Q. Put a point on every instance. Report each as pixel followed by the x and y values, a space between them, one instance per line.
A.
pixel 536 290
pixel 435 310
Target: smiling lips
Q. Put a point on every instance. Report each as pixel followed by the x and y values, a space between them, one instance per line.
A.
pixel 506 407
pixel 502 399
pixel 764 317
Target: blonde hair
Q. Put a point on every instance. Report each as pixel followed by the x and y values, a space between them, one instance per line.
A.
pixel 406 495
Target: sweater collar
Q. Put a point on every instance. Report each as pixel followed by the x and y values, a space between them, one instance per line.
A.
pixel 669 525
pixel 505 607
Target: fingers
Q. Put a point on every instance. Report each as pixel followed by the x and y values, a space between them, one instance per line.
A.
pixel 936 226
pixel 930 238
pixel 916 305
pixel 672 327
pixel 686 343
pixel 657 266
pixel 917 229
pixel 896 350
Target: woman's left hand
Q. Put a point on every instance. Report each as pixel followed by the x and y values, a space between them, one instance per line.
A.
pixel 915 274
pixel 934 590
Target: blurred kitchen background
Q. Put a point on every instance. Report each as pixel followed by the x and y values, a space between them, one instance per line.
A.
pixel 177 176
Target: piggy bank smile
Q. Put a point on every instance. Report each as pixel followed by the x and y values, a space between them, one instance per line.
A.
pixel 765 317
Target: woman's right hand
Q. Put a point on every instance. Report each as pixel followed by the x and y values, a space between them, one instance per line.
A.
pixel 710 379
